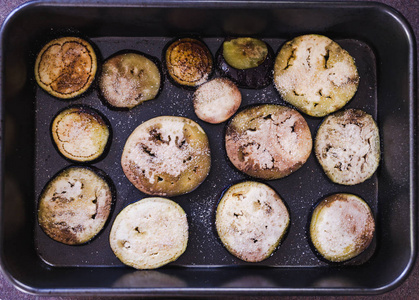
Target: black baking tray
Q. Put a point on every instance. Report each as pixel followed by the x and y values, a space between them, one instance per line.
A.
pixel 377 37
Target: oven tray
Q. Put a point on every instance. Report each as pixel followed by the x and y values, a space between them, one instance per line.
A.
pixel 377 37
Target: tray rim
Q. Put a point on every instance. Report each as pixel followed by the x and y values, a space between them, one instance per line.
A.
pixel 413 118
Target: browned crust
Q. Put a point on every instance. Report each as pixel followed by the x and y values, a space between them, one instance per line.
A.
pixel 66 67
pixel 267 131
pixel 189 62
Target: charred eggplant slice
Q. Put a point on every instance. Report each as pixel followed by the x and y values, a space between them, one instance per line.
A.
pixel 188 62
pixel 66 67
pixel 247 61
pixel 80 133
pixel 129 79
pixel 75 205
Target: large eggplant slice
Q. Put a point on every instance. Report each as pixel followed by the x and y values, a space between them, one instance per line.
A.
pixel 251 220
pixel 167 156
pixel 149 233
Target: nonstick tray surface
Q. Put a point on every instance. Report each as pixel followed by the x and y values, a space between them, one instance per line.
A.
pixel 30 160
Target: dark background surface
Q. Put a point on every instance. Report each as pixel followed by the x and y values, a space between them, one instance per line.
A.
pixel 408 290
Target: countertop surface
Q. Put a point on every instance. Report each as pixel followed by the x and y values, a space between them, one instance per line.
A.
pixel 409 289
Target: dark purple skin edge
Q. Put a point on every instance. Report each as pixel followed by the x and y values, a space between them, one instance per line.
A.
pixel 254 78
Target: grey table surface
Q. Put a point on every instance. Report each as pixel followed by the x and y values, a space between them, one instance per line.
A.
pixel 408 290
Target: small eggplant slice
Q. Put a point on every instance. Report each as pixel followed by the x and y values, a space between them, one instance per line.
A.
pixel 129 79
pixel 341 227
pixel 75 205
pixel 246 61
pixel 80 133
pixel 188 62
pixel 245 53
pixel 66 67
pixel 216 100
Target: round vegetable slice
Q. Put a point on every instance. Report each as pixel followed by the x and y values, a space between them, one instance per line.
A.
pixel 317 76
pixel 341 227
pixel 246 61
pixel 188 62
pixel 129 79
pixel 66 67
pixel 245 53
pixel 167 156
pixel 216 100
pixel 251 220
pixel 268 141
pixel 75 205
pixel 149 233
pixel 80 133
pixel 347 146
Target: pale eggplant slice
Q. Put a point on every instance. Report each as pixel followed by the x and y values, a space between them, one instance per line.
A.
pixel 341 227
pixel 66 67
pixel 216 100
pixel 167 156
pixel 251 220
pixel 150 233
pixel 317 76
pixel 347 146
pixel 188 62
pixel 75 205
pixel 268 141
pixel 80 133
pixel 246 61
pixel 128 79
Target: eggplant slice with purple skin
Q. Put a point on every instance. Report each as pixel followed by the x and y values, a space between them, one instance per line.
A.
pixel 251 220
pixel 246 61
